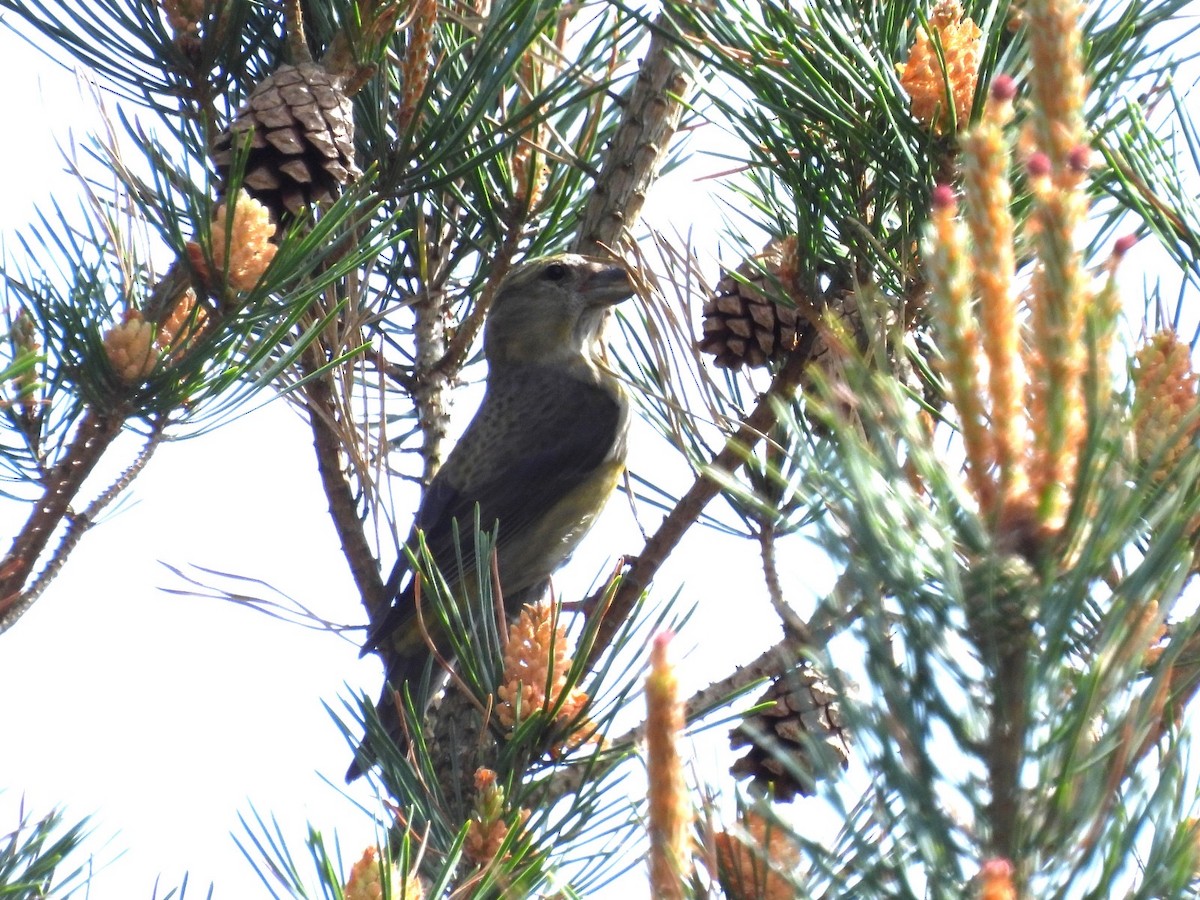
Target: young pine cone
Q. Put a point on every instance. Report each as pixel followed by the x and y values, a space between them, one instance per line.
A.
pixel 803 714
pixel 1001 593
pixel 1164 402
pixel 300 129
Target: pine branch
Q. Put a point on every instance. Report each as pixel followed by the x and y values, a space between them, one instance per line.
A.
pixel 323 417
pixel 429 394
pixel 1005 752
pixel 653 108
pixel 80 523
pixel 93 436
pixel 707 485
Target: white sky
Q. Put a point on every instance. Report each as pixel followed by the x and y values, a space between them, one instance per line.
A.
pixel 163 718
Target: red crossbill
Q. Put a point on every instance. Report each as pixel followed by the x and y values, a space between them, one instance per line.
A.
pixel 539 460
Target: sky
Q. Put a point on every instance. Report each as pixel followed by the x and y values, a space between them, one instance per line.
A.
pixel 164 718
pixel 161 717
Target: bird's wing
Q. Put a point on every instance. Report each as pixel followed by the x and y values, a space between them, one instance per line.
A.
pixel 516 464
pixel 535 458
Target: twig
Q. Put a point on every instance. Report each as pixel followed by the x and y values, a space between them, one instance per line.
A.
pixel 439 359
pixel 767 665
pixel 515 221
pixel 690 505
pixel 96 431
pixel 80 524
pixel 297 43
pixel 83 521
pixel 1005 753
pixel 429 394
pixel 792 623
pixel 320 404
pixel 464 336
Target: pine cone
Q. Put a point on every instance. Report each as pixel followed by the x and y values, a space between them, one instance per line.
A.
pixel 803 713
pixel 1000 595
pixel 756 860
pixel 953 62
pixel 743 325
pixel 300 127
pixel 1164 401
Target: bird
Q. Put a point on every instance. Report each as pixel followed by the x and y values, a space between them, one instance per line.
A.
pixel 537 463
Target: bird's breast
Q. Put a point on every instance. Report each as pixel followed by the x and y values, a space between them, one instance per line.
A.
pixel 556 534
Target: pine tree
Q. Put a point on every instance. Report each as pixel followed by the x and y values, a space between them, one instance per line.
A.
pixel 923 361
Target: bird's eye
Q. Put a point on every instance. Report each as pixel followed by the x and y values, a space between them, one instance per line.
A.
pixel 555 272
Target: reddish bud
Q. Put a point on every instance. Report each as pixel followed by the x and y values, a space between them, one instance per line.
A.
pixel 1004 88
pixel 996 880
pixel 997 866
pixel 943 197
pixel 1124 244
pixel 1080 158
pixel 1038 165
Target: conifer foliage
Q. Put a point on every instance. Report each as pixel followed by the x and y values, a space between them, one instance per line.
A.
pixel 921 358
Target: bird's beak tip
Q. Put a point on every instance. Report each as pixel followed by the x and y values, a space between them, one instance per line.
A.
pixel 610 285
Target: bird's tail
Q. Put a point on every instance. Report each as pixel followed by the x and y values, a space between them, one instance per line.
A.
pixel 410 663
pixel 405 671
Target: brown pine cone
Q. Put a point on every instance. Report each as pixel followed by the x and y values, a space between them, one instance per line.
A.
pixel 300 128
pixel 743 325
pixel 762 310
pixel 803 712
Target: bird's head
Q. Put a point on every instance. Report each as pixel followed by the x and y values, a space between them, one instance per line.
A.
pixel 553 308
